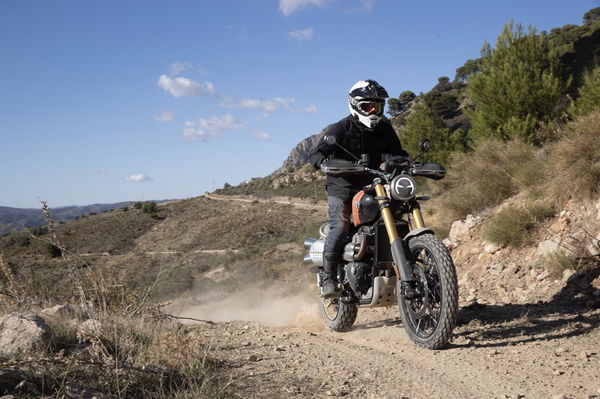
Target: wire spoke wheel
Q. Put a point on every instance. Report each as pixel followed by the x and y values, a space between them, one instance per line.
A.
pixel 430 316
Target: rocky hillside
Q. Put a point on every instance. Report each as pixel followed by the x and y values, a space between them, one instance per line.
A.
pixel 299 154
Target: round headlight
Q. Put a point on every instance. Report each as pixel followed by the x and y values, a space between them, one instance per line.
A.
pixel 403 188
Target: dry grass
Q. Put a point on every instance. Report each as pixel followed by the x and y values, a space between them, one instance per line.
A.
pixel 573 165
pixel 124 358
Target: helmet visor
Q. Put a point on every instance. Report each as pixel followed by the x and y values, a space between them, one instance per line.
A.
pixel 371 107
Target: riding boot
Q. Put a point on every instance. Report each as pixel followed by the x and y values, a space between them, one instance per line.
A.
pixel 329 284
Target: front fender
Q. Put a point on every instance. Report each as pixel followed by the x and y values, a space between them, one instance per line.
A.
pixel 418 232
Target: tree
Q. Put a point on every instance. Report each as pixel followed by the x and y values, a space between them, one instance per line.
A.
pixel 401 104
pixel 591 16
pixel 589 94
pixel 470 67
pixel 517 86
pixel 424 123
pixel 394 107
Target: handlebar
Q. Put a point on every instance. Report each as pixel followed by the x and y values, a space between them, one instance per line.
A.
pixel 335 167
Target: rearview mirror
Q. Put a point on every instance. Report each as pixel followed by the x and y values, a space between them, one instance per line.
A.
pixel 330 140
pixel 425 145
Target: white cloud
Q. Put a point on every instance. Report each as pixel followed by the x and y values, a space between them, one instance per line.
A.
pixel 164 116
pixel 184 87
pixel 181 66
pixel 302 35
pixel 368 4
pixel 238 32
pixel 202 129
pixel 267 107
pixel 139 177
pixel 262 136
pixel 288 7
pixel 288 103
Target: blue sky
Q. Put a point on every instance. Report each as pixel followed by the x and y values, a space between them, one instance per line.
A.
pixel 105 101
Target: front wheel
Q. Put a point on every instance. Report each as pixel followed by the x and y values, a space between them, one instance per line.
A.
pixel 430 317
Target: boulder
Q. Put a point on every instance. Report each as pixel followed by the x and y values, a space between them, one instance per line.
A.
pixel 460 228
pixel 23 332
pixel 547 247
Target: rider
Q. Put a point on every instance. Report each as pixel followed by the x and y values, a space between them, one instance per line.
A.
pixel 367 135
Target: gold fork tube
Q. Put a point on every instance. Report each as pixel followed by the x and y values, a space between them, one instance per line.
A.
pixel 417 218
pixel 388 218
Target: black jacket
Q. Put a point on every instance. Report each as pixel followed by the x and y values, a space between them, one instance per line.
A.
pixel 348 133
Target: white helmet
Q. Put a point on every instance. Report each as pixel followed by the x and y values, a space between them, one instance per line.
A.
pixel 366 101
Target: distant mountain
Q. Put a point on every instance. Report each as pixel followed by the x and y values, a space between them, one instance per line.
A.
pixel 18 218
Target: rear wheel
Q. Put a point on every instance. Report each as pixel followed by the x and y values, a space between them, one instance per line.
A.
pixel 430 317
pixel 337 315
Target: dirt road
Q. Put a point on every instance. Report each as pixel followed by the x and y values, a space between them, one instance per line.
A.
pixel 521 351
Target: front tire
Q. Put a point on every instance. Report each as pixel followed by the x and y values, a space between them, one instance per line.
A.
pixel 430 317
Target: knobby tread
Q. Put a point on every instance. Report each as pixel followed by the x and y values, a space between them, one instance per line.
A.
pixel 344 318
pixel 449 311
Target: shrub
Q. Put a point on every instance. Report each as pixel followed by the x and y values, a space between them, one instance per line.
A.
pixel 589 94
pixel 512 225
pixel 137 205
pixel 573 163
pixel 149 207
pixel 557 262
pixel 53 251
pixel 493 172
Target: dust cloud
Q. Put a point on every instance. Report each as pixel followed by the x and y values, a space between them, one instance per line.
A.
pixel 273 305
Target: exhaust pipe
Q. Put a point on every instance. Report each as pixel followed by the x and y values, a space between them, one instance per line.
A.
pixel 307 258
pixel 308 242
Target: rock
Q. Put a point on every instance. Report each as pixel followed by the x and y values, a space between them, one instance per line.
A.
pixel 543 275
pixel 77 391
pixel 89 327
pixel 23 332
pixel 560 396
pixel 10 379
pixel 593 249
pixel 568 275
pixel 471 298
pixel 547 247
pixel 460 229
pixel 491 247
pixel 59 311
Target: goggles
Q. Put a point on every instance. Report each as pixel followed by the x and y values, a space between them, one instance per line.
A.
pixel 371 107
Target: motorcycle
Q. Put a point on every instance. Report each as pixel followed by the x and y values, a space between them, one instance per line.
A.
pixel 390 256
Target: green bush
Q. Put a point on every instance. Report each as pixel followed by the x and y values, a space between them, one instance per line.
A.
pixel 53 251
pixel 589 94
pixel 512 225
pixel 149 207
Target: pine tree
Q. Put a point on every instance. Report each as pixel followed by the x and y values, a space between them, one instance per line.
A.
pixel 517 86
